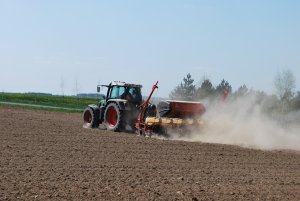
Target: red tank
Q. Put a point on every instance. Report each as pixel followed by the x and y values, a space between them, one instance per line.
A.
pixel 180 109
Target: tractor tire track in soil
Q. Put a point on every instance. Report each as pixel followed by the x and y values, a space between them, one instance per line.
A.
pixel 49 156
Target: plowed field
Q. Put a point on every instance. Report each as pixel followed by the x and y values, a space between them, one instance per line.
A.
pixel 49 156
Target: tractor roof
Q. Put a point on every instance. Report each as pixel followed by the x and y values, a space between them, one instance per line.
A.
pixel 119 83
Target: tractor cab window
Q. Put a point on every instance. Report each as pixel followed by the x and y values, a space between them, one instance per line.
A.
pixel 135 94
pixel 116 91
pixel 121 91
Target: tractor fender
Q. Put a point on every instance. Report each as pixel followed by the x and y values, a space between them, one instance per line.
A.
pixel 122 104
pixel 96 109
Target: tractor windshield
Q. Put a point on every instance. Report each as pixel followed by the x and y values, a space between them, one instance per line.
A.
pixel 132 94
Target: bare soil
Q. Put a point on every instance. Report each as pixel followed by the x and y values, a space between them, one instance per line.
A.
pixel 49 156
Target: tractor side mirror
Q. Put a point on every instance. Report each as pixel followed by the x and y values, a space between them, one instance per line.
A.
pixel 98 89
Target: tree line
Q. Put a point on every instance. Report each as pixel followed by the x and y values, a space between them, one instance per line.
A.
pixel 285 99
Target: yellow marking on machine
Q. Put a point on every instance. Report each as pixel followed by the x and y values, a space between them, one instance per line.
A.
pixel 172 121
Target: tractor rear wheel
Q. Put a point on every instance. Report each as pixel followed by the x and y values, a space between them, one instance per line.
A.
pixel 113 117
pixel 90 118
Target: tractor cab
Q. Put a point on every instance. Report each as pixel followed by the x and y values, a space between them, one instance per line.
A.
pixel 121 91
pixel 125 91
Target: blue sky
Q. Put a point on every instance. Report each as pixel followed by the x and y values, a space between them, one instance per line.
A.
pixel 49 46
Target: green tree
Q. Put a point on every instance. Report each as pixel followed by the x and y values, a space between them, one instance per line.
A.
pixel 224 85
pixel 185 90
pixel 205 90
pixel 242 91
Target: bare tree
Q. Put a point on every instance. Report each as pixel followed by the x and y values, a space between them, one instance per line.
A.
pixel 76 87
pixel 285 85
pixel 62 86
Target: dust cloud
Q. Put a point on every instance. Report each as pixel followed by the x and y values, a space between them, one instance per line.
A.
pixel 244 122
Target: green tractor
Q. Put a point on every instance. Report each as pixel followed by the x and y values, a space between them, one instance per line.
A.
pixel 123 109
pixel 119 109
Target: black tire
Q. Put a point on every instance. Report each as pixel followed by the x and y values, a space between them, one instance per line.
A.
pixel 113 118
pixel 90 118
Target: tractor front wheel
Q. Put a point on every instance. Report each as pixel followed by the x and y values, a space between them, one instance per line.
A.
pixel 113 117
pixel 90 118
